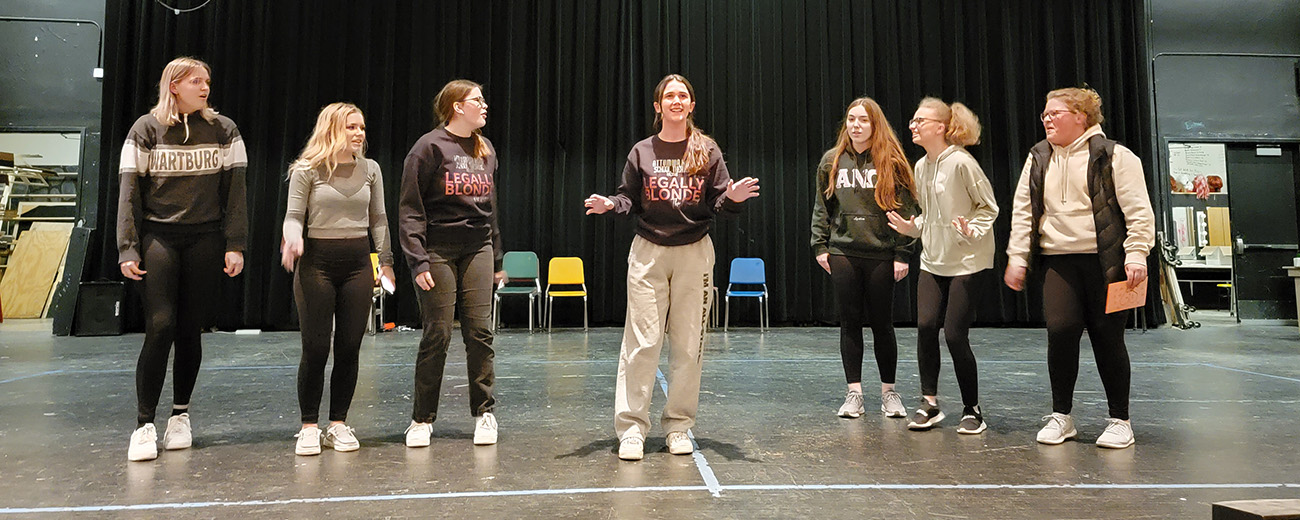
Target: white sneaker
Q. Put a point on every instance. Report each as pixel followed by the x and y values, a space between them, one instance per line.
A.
pixel 1118 434
pixel 308 441
pixel 144 444
pixel 485 430
pixel 418 434
pixel 341 437
pixel 891 404
pixel 178 436
pixel 1060 427
pixel 631 448
pixel 680 444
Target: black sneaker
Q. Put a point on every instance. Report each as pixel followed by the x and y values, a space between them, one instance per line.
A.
pixel 926 416
pixel 972 421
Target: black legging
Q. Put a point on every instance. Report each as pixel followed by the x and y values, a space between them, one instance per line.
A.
pixel 860 281
pixel 182 273
pixel 1074 298
pixel 947 300
pixel 462 276
pixel 333 286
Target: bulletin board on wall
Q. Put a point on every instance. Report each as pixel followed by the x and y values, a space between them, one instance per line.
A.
pixel 1198 193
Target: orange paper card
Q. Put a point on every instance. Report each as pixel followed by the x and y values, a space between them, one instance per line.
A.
pixel 1119 297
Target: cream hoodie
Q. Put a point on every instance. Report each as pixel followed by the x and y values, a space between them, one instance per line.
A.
pixel 1068 226
pixel 950 187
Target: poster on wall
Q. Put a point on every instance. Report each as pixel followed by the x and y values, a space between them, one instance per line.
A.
pixel 1199 169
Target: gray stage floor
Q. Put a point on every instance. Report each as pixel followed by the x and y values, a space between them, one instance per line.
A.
pixel 1215 411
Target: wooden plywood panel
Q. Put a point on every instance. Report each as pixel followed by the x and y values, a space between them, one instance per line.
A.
pixel 30 276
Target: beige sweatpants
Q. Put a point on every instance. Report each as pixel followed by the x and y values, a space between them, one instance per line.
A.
pixel 668 287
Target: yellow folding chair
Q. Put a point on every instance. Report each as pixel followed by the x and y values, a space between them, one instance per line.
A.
pixel 565 270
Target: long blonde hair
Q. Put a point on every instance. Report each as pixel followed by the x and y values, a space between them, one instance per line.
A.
pixel 892 169
pixel 167 111
pixel 698 144
pixel 444 107
pixel 961 125
pixel 328 138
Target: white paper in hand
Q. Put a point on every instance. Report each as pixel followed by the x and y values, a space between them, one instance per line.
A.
pixel 387 284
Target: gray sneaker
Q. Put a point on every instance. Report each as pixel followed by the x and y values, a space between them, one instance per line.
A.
pixel 1060 427
pixel 891 404
pixel 853 406
pixel 1118 434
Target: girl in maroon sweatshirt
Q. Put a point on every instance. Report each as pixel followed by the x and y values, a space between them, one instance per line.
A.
pixel 674 183
pixel 448 219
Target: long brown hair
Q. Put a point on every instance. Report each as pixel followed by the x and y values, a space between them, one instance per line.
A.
pixel 698 143
pixel 444 106
pixel 892 169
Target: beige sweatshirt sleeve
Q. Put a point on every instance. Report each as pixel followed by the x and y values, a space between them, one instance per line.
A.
pixel 295 215
pixel 1131 190
pixel 1021 221
pixel 981 194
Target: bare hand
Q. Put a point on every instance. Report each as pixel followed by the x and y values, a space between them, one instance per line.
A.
pixel 1136 273
pixel 131 269
pixel 963 226
pixel 234 263
pixel 900 270
pixel 1015 277
pixel 901 225
pixel 290 251
pixel 499 277
pixel 424 281
pixel 597 204
pixel 824 260
pixel 742 190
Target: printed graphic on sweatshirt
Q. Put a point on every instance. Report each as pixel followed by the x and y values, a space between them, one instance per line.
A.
pixel 669 182
pixel 855 178
pixel 467 178
pixel 182 161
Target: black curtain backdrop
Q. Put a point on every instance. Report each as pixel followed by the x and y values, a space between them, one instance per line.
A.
pixel 569 87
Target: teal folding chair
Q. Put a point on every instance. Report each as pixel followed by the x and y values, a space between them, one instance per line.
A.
pixel 522 278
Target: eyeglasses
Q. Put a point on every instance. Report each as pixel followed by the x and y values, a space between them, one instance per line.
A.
pixel 917 121
pixel 1052 115
pixel 477 101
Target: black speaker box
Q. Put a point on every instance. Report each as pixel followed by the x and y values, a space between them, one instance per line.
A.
pixel 99 309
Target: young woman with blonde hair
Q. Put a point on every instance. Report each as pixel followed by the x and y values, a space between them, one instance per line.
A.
pixel 956 232
pixel 335 210
pixel 859 179
pixel 181 213
pixel 448 219
pixel 674 183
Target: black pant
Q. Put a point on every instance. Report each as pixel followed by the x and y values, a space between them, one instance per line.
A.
pixel 462 273
pixel 181 279
pixel 864 289
pixel 946 300
pixel 1074 298
pixel 333 286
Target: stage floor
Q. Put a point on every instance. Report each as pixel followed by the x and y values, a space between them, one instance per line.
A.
pixel 1210 411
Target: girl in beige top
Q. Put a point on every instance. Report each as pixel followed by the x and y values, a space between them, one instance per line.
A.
pixel 955 226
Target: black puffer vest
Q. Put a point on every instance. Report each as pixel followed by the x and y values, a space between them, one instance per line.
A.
pixel 1106 213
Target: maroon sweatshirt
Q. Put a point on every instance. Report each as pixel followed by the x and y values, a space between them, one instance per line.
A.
pixel 672 207
pixel 448 197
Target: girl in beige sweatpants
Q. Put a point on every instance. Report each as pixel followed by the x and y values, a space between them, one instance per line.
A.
pixel 667 286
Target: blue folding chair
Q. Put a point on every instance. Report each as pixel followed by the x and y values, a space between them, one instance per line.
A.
pixel 748 271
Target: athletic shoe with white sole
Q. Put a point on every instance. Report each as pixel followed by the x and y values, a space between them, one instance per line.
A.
pixel 178 435
pixel 485 430
pixel 680 444
pixel 144 444
pixel 853 406
pixel 926 417
pixel 1060 427
pixel 1118 434
pixel 972 421
pixel 418 434
pixel 631 448
pixel 891 404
